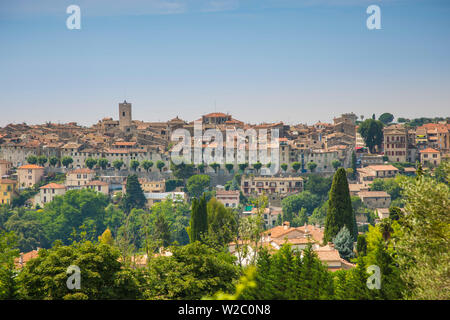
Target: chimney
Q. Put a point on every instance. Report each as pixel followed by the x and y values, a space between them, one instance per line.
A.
pixel 286 225
pixel 21 259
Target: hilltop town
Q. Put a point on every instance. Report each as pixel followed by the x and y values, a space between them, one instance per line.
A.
pixel 125 168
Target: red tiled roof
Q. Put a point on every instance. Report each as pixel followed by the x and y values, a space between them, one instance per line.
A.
pixel 429 150
pixel 31 166
pixel 26 257
pixel 53 186
pixel 216 115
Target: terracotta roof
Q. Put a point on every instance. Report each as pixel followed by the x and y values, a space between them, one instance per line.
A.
pixel 31 166
pixel 370 194
pixel 53 186
pixel 429 150
pixel 382 167
pixel 124 143
pixel 215 115
pixel 26 257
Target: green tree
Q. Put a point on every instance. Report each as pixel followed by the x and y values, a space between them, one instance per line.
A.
pixel 197 184
pixel 106 237
pixel 8 252
pixel 66 161
pixel 192 272
pixel 319 215
pixel 343 243
pixel 361 245
pixel 293 204
pixel 90 163
pixel 243 166
pixel 177 214
pixel 229 167
pixel 161 230
pixel 134 197
pixel 395 213
pixel 422 244
pixel 53 161
pixel 386 118
pixel 300 219
pixel 147 164
pixel 222 224
pixel 117 164
pixel 296 166
pixel 372 132
pixel 318 185
pixel 288 275
pixel 182 171
pixel 42 160
pixel 336 164
pixel 160 165
pixel 198 225
pixel 353 176
pixel 32 159
pixel 103 163
pixel 340 212
pixel 257 166
pixel 29 230
pixel 78 211
pixel 215 166
pixel 45 277
pixel 284 166
pixel 134 164
pixel 312 166
pixel 201 168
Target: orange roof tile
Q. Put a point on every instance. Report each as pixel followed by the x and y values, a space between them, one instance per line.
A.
pixel 31 166
pixel 53 186
pixel 429 150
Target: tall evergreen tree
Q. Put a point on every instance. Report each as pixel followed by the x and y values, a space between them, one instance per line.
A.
pixel 340 212
pixel 354 165
pixel 134 197
pixel 198 225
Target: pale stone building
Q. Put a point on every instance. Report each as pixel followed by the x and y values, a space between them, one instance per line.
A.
pixel 375 199
pixel 48 192
pixel 430 156
pixel 78 178
pixel 99 186
pixel 229 199
pixel 5 167
pixel 29 175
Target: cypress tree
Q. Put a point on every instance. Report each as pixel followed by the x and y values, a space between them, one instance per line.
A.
pixel 354 165
pixel 198 223
pixel 134 198
pixel 340 212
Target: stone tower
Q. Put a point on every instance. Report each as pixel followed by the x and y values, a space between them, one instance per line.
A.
pixel 125 116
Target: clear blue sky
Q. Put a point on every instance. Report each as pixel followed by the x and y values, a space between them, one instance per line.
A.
pixel 261 60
